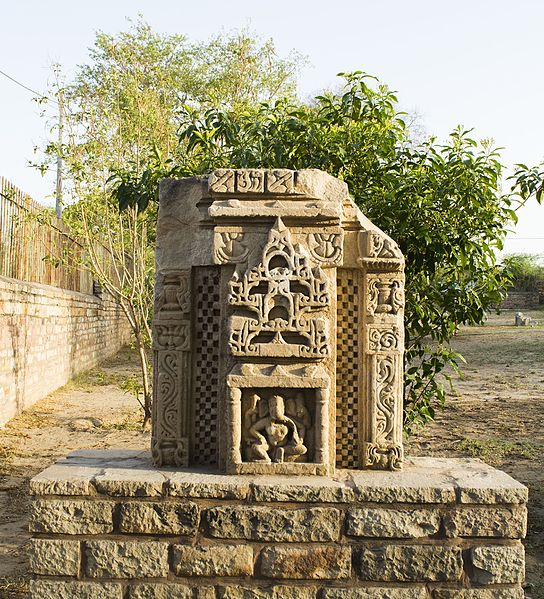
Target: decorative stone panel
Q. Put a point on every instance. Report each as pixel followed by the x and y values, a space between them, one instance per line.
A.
pixel 278 331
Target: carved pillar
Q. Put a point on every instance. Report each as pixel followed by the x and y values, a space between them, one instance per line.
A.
pixel 171 359
pixel 322 425
pixel 382 348
pixel 234 427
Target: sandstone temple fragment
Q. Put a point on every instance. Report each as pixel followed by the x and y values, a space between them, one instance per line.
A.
pixel 278 334
pixel 275 464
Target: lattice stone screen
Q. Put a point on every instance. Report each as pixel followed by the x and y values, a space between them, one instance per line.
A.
pixel 278 327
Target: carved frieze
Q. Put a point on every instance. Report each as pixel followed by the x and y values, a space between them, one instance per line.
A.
pixel 278 303
pixel 385 295
pixel 230 247
pixel 258 181
pixel 326 248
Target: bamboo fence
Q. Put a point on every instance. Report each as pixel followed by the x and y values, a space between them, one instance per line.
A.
pixel 36 246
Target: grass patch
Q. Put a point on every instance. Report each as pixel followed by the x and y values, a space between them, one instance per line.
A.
pixel 11 588
pixel 131 422
pixel 97 378
pixel 495 450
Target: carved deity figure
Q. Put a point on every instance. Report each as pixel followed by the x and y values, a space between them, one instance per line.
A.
pixel 276 437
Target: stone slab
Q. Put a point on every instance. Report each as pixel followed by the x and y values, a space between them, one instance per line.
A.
pixel 422 480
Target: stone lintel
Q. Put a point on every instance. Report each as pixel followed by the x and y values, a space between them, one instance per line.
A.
pixel 422 481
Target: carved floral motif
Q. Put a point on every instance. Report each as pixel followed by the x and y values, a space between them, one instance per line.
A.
pixel 384 339
pixel 385 296
pixel 385 381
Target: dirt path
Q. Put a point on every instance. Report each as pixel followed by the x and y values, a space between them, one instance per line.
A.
pixel 496 415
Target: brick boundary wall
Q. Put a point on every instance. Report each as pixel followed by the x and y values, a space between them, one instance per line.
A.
pixel 520 300
pixel 106 525
pixel 48 335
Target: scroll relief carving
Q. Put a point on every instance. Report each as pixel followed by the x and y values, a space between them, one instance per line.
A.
pixel 326 247
pixel 276 429
pixel 384 339
pixel 277 181
pixel 171 332
pixel 381 456
pixel 385 296
pixel 281 298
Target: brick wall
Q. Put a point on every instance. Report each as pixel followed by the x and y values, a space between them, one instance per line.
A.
pixel 47 335
pixel 520 300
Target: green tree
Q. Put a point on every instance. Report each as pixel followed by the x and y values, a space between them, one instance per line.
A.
pixel 122 113
pixel 443 204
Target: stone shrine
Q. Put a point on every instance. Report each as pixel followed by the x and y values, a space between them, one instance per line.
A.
pixel 276 468
pixel 278 333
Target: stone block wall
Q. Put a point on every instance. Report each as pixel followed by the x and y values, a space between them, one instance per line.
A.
pixel 47 335
pixel 108 525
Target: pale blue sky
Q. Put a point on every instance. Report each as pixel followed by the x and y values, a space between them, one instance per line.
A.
pixel 478 63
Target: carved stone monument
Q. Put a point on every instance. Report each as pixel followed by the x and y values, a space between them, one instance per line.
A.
pixel 278 327
pixel 277 431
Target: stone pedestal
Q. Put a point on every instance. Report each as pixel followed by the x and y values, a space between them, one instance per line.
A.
pixel 109 525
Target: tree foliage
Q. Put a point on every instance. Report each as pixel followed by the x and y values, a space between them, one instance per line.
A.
pixel 122 114
pixel 442 203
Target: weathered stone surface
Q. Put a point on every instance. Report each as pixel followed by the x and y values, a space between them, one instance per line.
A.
pixel 58 480
pixel 376 593
pixel 160 591
pixel 207 486
pixel 54 557
pixel 273 524
pixel 126 559
pixel 420 481
pixel 498 564
pixel 310 563
pixel 212 560
pixel 71 517
pixel 378 522
pixel 286 233
pixel 410 563
pixel 263 592
pixel 303 489
pixel 486 522
pixel 159 518
pixel 119 482
pixel 49 589
pixel 500 593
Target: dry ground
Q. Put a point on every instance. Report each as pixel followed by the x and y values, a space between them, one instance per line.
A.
pixel 496 415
